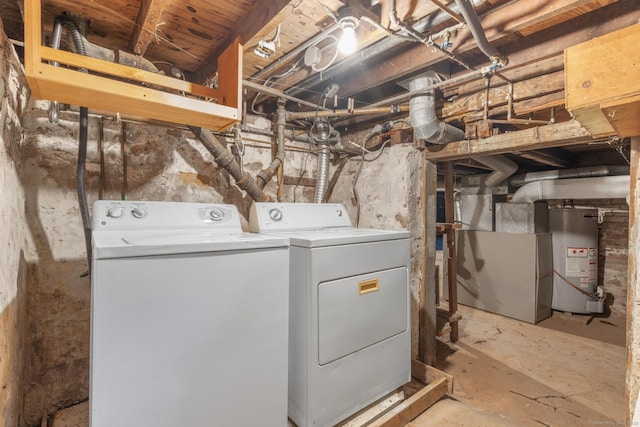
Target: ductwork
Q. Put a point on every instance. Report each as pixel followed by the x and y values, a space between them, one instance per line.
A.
pixel 322 173
pixel 422 112
pixel 427 127
pixel 585 172
pixel 94 51
pixel 468 12
pixel 502 167
pixel 603 187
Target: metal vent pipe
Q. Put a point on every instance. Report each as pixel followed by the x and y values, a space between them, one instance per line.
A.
pixel 602 187
pixel 427 127
pixel 422 112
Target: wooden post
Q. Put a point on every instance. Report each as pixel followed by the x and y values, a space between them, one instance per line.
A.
pixel 427 311
pixel 633 287
pixel 451 246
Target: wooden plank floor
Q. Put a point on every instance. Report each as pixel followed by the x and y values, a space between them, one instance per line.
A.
pixel 510 373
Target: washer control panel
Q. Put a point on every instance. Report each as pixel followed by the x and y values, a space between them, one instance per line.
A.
pixel 297 216
pixel 125 214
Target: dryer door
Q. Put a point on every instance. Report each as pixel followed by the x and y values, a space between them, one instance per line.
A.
pixel 360 311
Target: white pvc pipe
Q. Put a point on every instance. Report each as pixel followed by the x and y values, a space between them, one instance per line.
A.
pixel 602 187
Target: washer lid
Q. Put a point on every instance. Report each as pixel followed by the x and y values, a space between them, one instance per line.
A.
pixel 340 236
pixel 132 243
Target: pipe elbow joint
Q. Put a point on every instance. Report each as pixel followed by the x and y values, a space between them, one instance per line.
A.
pixel 498 62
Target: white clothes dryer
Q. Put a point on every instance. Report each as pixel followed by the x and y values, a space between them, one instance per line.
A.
pixel 349 334
pixel 189 318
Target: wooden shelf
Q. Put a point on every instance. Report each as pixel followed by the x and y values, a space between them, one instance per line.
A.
pixel 127 90
pixel 602 88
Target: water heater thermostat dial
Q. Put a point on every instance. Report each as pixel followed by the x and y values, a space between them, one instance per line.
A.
pixel 216 214
pixel 275 214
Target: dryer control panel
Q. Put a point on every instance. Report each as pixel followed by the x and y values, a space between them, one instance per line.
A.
pixel 268 217
pixel 126 214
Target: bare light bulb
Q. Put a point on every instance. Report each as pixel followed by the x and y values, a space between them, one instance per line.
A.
pixel 348 42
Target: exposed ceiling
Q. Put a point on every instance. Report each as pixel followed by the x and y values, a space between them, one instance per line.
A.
pixel 191 34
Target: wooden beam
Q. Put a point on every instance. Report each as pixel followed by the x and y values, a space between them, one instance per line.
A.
pixel 556 157
pixel 451 247
pixel 146 23
pixel 555 40
pixel 555 135
pixel 498 95
pixel 601 80
pixel 428 374
pixel 413 406
pixel 501 26
pixel 633 287
pixel 33 39
pixel 427 303
pixel 262 12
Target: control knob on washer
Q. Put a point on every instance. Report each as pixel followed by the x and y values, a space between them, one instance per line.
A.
pixel 115 212
pixel 275 214
pixel 216 214
pixel 138 212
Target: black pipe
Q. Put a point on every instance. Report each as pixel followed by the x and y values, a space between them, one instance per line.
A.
pixel 471 17
pixel 82 145
pixel 80 179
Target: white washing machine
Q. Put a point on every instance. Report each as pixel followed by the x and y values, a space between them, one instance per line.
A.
pixel 349 337
pixel 189 318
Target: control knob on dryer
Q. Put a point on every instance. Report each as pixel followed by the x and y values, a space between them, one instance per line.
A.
pixel 138 212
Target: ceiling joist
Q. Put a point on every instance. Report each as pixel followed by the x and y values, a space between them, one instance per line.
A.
pixel 146 23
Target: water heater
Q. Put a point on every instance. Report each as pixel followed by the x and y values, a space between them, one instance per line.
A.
pixel 575 260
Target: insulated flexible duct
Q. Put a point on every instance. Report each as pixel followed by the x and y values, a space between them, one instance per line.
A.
pixel 322 173
pixel 95 51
